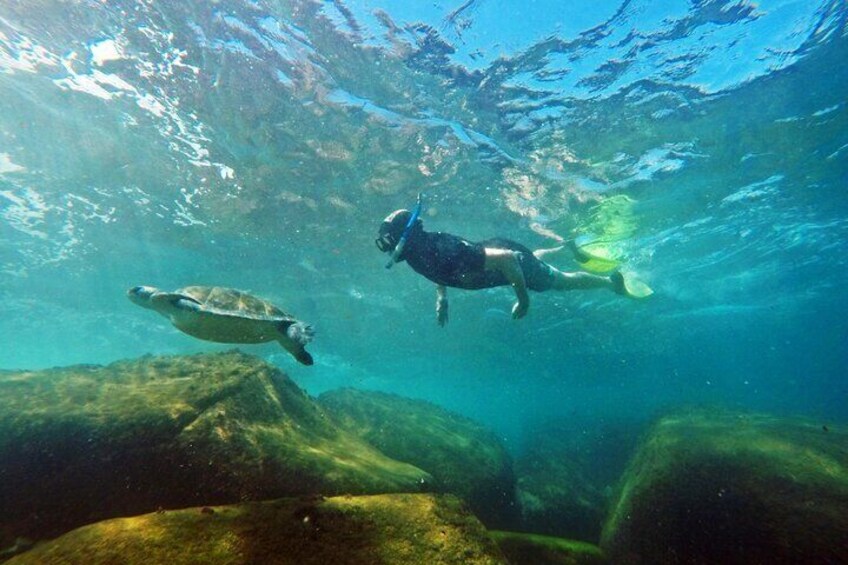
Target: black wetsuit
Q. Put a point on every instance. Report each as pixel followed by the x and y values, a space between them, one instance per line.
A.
pixel 453 261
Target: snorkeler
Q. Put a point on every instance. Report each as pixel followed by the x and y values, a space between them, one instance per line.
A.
pixel 450 260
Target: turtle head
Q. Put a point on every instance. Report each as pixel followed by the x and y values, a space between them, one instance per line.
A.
pixel 141 295
pixel 300 332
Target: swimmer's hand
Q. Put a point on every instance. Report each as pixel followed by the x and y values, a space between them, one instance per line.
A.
pixel 442 311
pixel 519 309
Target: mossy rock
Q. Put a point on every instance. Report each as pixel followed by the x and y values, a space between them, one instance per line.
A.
pixel 84 443
pixel 396 528
pixel 464 458
pixel 726 488
pixel 534 549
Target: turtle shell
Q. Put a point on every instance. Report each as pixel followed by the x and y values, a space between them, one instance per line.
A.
pixel 232 302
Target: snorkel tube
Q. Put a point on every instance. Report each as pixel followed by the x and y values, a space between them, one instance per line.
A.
pixel 405 235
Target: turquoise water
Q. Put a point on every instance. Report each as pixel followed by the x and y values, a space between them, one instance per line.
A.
pixel 258 145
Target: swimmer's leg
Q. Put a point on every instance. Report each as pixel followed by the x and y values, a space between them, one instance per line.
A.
pixel 616 282
pixel 505 261
pixel 542 253
pixel 581 280
pixel 569 244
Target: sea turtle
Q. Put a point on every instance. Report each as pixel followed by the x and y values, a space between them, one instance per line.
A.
pixel 226 315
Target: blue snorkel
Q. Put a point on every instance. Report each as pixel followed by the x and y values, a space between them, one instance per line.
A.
pixel 406 231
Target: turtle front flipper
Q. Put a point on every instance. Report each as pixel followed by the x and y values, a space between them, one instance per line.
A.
pixel 297 351
pixel 304 357
pixel 164 300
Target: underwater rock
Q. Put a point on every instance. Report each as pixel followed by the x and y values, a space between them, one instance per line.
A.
pixel 721 488
pixel 565 474
pixel 558 498
pixel 394 528
pixel 464 458
pixel 84 443
pixel 534 549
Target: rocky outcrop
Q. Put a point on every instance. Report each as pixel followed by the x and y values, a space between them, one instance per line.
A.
pixel 533 549
pixel 463 457
pixel 85 443
pixel 727 488
pixel 399 528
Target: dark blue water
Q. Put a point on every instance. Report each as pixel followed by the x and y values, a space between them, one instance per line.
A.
pixel 258 145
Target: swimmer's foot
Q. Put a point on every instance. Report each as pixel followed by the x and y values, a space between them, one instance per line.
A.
pixel 542 253
pixel 618 285
pixel 579 255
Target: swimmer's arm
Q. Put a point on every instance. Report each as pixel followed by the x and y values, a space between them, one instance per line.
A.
pixel 441 305
pixel 506 262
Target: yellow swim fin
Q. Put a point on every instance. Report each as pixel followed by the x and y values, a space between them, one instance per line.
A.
pixel 593 255
pixel 628 285
pixel 636 288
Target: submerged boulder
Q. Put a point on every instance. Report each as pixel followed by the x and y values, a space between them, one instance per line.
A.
pixel 559 498
pixel 399 528
pixel 534 549
pixel 84 443
pixel 721 488
pixel 464 458
pixel 566 472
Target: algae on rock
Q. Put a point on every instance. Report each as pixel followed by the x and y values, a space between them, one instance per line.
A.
pixel 464 458
pixel 368 530
pixel 708 487
pixel 83 443
pixel 534 549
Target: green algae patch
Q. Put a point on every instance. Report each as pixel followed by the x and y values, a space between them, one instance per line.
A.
pixel 463 457
pixel 80 444
pixel 715 487
pixel 390 529
pixel 534 549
